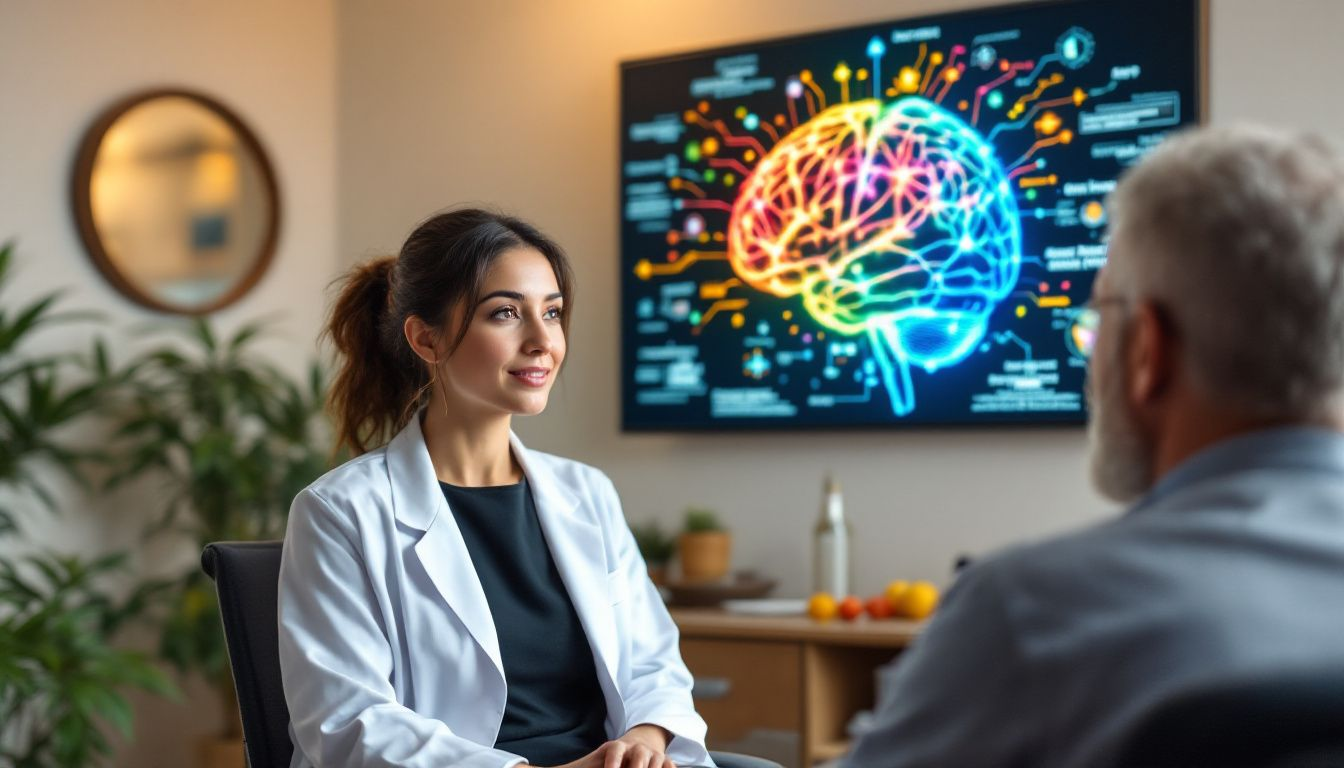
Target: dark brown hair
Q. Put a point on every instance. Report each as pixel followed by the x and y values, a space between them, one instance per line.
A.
pixel 381 382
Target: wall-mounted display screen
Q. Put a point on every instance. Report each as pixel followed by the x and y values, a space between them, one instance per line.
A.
pixel 887 225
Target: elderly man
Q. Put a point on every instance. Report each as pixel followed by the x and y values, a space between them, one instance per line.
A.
pixel 1217 396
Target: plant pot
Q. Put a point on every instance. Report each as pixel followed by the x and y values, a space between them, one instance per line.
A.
pixel 220 752
pixel 705 555
pixel 224 750
pixel 658 574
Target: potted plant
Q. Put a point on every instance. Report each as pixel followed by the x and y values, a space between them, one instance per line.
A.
pixel 656 547
pixel 704 547
pixel 233 440
pixel 61 679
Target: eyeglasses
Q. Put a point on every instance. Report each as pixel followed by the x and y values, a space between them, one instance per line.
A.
pixel 1086 325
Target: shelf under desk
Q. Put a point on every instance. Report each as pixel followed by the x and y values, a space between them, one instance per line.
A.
pixel 786 673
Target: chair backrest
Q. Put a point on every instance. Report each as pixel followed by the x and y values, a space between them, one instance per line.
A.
pixel 1294 718
pixel 247 576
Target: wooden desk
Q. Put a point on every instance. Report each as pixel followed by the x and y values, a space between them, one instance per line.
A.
pixel 786 673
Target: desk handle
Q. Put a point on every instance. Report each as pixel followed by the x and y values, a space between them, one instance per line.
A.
pixel 711 688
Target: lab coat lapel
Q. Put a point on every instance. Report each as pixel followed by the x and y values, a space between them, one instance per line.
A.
pixel 576 546
pixel 418 502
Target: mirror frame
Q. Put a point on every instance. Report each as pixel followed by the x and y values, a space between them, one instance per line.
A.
pixel 83 209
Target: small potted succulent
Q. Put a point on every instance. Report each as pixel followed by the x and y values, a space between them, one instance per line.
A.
pixel 705 547
pixel 656 547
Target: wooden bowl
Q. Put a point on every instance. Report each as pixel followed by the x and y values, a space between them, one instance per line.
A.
pixel 740 586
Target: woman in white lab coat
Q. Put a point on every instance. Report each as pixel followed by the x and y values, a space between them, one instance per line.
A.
pixel 451 598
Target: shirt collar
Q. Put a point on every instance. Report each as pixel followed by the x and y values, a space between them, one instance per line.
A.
pixel 1279 447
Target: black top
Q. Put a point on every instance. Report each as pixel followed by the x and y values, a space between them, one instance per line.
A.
pixel 555 710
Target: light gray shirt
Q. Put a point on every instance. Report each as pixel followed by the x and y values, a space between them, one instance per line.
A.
pixel 1045 655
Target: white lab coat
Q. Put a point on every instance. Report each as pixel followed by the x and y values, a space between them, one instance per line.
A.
pixel 387 648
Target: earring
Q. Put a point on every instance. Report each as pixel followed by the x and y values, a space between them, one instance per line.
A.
pixel 443 388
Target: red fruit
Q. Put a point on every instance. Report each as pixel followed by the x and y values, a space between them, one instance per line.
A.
pixel 878 607
pixel 850 608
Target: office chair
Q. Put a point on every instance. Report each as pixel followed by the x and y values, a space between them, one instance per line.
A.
pixel 246 576
pixel 1293 719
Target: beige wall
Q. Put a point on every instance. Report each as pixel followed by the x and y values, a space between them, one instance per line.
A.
pixel 514 102
pixel 60 65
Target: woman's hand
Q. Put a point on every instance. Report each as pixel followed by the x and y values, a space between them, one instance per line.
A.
pixel 641 747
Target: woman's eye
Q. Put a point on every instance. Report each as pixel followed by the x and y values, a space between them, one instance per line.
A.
pixel 505 313
pixel 554 313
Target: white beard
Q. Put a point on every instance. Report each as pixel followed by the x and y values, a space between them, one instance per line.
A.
pixel 1119 456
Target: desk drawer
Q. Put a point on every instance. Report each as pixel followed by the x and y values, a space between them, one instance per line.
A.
pixel 743 685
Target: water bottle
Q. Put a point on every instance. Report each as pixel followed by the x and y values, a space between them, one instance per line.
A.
pixel 832 568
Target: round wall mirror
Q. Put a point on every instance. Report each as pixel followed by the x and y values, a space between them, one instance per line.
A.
pixel 176 201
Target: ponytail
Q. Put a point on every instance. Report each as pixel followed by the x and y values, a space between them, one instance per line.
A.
pixel 377 386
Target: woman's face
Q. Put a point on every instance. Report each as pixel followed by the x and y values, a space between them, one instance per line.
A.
pixel 513 348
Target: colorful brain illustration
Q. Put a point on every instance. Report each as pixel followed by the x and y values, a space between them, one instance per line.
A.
pixel 891 220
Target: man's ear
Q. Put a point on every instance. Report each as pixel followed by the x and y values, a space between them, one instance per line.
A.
pixel 422 337
pixel 1151 355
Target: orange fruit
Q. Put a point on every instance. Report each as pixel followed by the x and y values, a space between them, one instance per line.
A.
pixel 895 590
pixel 822 607
pixel 850 608
pixel 878 607
pixel 919 601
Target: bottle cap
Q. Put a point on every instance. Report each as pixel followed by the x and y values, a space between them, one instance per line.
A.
pixel 832 485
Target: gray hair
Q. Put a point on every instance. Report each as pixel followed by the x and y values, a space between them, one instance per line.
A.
pixel 1238 234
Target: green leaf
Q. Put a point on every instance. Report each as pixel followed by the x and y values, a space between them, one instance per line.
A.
pixel 140 673
pixel 246 334
pixel 204 334
pixel 51 568
pixel 101 364
pixel 114 561
pixel 317 381
pixel 29 367
pixel 43 495
pixel 28 320
pixel 98 703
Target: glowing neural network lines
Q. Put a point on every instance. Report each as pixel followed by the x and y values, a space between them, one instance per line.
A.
pixel 892 220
